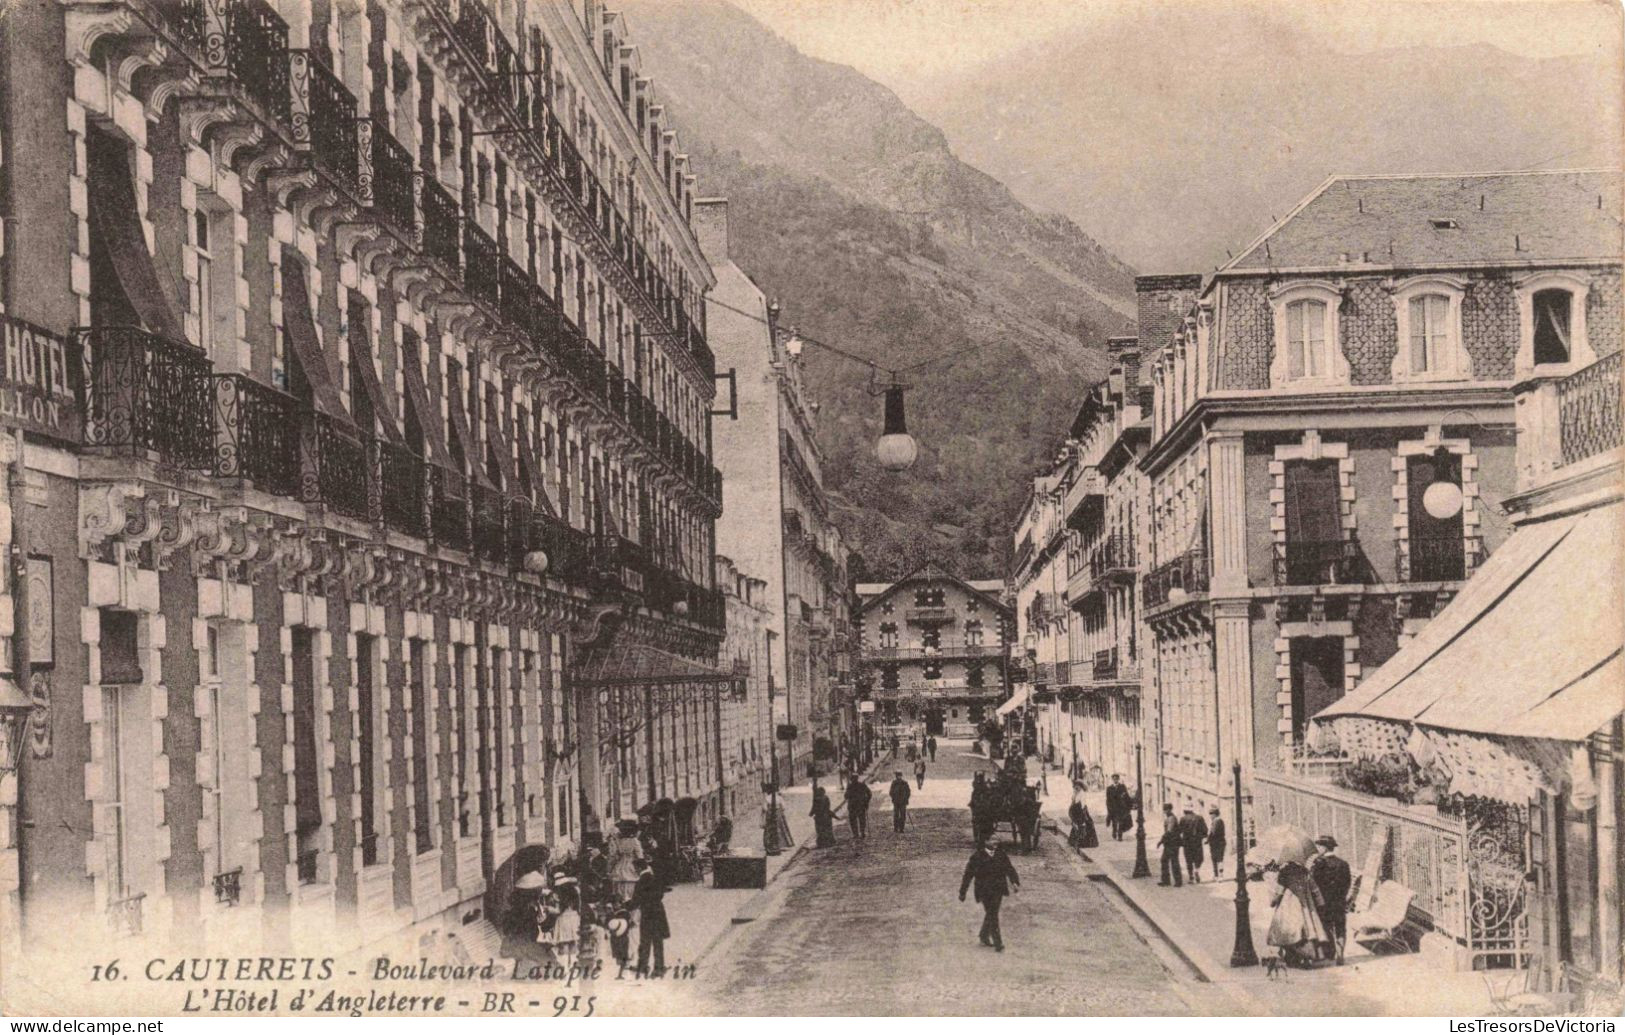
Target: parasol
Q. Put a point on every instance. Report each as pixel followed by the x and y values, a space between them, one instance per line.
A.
pixel 532 881
pixel 1286 844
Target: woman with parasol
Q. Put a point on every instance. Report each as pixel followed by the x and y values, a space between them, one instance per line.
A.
pixel 1295 927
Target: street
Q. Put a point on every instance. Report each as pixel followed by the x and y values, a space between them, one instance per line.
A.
pixel 877 928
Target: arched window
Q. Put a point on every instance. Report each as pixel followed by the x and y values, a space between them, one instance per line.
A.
pixel 1306 339
pixel 1552 320
pixel 1553 309
pixel 1306 335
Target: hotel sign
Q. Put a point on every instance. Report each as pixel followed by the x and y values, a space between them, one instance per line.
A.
pixel 35 393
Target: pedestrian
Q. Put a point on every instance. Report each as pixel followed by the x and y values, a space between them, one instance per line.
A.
pixel 990 871
pixel 624 852
pixel 1170 843
pixel 1083 826
pixel 1215 840
pixel 1331 875
pixel 899 802
pixel 857 808
pixel 931 746
pixel 1118 810
pixel 1192 836
pixel 919 773
pixel 649 899
pixel 823 819
pixel 894 745
pixel 1295 927
pixel 981 803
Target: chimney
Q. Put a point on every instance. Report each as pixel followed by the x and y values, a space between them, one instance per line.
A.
pixel 711 228
pixel 1163 303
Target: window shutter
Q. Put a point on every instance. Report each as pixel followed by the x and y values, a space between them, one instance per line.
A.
pixel 1312 511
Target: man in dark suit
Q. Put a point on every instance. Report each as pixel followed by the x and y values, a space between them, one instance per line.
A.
pixel 899 802
pixel 1119 811
pixel 857 807
pixel 1193 835
pixel 649 899
pixel 931 746
pixel 1171 842
pixel 990 871
pixel 1331 875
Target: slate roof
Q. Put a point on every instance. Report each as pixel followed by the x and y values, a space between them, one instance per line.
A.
pixel 1497 217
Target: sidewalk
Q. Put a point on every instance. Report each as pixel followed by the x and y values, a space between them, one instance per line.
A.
pixel 1199 921
pixel 701 914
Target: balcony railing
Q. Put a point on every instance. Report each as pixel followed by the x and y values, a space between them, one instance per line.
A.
pixel 256 434
pixel 1441 559
pixel 404 489
pixel 334 465
pixel 482 273
pixel 928 615
pixel 1185 574
pixel 147 396
pixel 437 228
pixel 255 54
pixel 384 180
pixel 321 114
pixel 1319 562
pixel 1589 410
pixel 490 523
pixel 1105 664
pixel 1113 558
pixel 450 510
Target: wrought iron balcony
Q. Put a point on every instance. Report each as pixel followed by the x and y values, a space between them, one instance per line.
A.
pixel 1187 573
pixel 1113 559
pixel 928 615
pixel 490 508
pixel 228 887
pixel 321 115
pixel 482 266
pixel 437 228
pixel 335 465
pixel 1442 559
pixel 1105 664
pixel 1319 562
pixel 384 178
pixel 146 396
pixel 403 489
pixel 254 55
pixel 450 518
pixel 256 434
pixel 1589 410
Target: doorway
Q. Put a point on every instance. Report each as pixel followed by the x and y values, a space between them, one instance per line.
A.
pixel 1317 678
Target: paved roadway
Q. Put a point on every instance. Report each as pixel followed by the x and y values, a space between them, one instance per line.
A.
pixel 877 928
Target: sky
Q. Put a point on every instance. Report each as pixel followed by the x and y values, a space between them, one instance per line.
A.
pixel 913 45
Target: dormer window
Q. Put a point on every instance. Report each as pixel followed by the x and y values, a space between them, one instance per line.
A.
pixel 1428 316
pixel 1307 351
pixel 1552 321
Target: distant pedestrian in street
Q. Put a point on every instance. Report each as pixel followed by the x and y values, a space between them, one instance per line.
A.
pixel 823 819
pixel 919 773
pixel 1331 875
pixel 931 746
pixel 1083 826
pixel 649 899
pixel 981 803
pixel 1119 811
pixel 1215 840
pixel 899 802
pixel 857 807
pixel 1192 836
pixel 894 743
pixel 1170 843
pixel 989 870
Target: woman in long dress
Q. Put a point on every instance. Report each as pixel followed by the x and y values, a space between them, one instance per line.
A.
pixel 823 819
pixel 623 856
pixel 1296 928
pixel 1083 826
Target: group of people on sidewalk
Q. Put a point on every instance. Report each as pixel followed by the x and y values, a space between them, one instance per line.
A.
pixel 1310 918
pixel 1183 839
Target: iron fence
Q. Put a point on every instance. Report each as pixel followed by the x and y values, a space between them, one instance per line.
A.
pixel 1319 562
pixel 256 434
pixel 1589 410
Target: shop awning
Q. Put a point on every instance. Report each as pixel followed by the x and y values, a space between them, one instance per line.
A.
pixel 1017 700
pixel 1531 648
pixel 639 664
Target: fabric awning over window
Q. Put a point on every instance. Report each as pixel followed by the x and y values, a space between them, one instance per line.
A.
pixel 366 380
pixel 504 453
pixel 428 415
pixel 639 664
pixel 1530 649
pixel 301 333
pixel 1017 700
pixel 533 471
pixel 471 448
pixel 116 219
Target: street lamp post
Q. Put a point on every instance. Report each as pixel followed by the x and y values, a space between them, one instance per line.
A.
pixel 1243 955
pixel 1142 867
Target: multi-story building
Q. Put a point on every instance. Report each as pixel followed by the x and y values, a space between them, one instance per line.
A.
pixel 747 718
pixel 1037 590
pixel 1332 437
pixel 369 494
pixel 778 521
pixel 1104 506
pixel 934 648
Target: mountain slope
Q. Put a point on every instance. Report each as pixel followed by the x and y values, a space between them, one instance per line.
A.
pixel 853 212
pixel 1173 162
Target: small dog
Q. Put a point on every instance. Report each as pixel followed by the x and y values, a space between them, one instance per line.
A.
pixel 1275 967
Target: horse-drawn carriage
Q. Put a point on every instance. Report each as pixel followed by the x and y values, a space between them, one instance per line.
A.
pixel 1006 801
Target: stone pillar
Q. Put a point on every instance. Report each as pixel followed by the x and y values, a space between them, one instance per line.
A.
pixel 1227 527
pixel 1233 663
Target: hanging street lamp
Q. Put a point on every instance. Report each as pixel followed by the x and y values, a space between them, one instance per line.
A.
pixel 896 449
